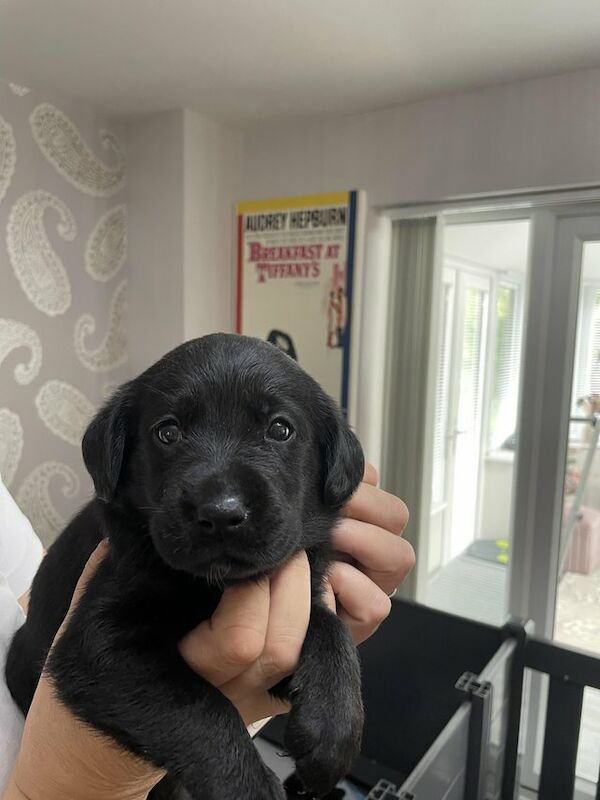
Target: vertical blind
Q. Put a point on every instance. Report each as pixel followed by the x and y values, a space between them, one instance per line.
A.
pixel 406 370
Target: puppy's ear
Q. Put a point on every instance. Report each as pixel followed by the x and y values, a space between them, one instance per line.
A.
pixel 104 442
pixel 342 455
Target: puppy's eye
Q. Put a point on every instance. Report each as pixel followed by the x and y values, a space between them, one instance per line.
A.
pixel 279 430
pixel 168 432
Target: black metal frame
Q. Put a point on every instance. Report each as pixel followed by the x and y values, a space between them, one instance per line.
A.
pixel 479 693
pixel 473 643
pixel 570 671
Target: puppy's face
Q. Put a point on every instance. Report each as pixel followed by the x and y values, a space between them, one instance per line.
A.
pixel 233 456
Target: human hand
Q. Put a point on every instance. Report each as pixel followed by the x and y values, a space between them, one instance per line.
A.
pixel 370 536
pixel 252 641
pixel 269 620
pixel 63 758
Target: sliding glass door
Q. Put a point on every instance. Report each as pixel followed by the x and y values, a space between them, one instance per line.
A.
pixel 556 569
pixel 513 481
pixel 577 600
pixel 466 410
pixel 477 374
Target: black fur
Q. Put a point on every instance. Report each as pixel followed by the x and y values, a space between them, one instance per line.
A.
pixel 223 504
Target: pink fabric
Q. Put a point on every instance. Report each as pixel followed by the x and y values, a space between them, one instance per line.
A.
pixel 584 553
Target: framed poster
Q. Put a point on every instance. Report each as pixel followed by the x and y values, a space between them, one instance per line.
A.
pixel 298 282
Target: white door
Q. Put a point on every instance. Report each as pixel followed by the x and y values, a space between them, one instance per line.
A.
pixel 441 482
pixel 458 421
pixel 466 409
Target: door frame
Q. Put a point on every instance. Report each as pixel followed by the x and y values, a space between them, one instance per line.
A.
pixel 439 513
pixel 544 367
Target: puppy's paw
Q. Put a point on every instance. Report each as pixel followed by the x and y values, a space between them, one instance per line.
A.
pixel 252 783
pixel 324 740
pixel 270 788
pixel 262 784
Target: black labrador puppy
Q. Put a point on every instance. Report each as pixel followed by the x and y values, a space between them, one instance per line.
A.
pixel 216 465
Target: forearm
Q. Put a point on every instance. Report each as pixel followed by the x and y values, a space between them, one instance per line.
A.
pixel 12 792
pixel 63 782
pixel 61 758
pixel 73 788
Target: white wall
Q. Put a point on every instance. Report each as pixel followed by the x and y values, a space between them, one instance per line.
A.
pixel 184 174
pixel 211 175
pixel 62 279
pixel 155 182
pixel 533 133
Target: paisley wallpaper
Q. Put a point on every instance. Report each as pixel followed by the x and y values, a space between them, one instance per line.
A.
pixel 63 294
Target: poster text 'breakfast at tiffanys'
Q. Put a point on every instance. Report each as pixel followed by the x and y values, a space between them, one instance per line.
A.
pixel 296 273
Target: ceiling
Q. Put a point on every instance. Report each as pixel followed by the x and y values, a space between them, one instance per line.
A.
pixel 501 246
pixel 504 246
pixel 243 61
pixel 591 261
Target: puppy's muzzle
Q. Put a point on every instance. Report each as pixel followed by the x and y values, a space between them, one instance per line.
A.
pixel 224 512
pixel 217 506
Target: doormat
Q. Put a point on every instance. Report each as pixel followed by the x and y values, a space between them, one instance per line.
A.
pixel 496 550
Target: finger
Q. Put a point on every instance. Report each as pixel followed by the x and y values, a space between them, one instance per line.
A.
pixel 289 617
pixel 288 622
pixel 225 646
pixel 329 597
pixel 371 476
pixel 373 505
pixel 362 605
pixel 385 558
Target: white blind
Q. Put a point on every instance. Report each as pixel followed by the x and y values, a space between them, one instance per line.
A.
pixel 507 357
pixel 467 437
pixel 594 368
pixel 471 373
pixel 586 374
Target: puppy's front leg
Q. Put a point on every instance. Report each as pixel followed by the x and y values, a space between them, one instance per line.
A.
pixel 324 728
pixel 155 706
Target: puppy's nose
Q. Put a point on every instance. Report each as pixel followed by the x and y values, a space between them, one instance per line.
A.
pixel 223 513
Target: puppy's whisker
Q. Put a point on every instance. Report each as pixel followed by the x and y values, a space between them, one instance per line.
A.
pixel 216 575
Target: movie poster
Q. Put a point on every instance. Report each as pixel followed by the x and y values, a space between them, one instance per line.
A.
pixel 298 281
